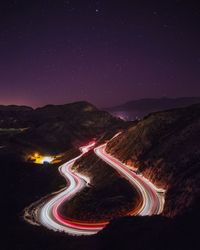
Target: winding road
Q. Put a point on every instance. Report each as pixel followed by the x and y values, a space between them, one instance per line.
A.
pixel 49 216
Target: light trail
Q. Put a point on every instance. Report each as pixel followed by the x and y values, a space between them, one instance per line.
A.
pixel 152 197
pixel 50 217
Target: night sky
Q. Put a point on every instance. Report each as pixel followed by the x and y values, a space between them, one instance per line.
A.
pixel 106 52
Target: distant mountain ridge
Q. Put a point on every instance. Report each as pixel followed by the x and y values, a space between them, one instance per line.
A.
pixel 139 108
pixel 53 128
pixel 15 108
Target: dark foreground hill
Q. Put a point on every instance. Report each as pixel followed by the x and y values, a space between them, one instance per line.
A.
pixel 137 109
pixel 53 128
pixel 165 147
pixel 27 183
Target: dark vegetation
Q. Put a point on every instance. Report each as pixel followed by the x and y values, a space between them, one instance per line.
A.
pixel 108 195
pixel 155 232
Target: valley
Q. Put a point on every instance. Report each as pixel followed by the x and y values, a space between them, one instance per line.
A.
pixel 115 179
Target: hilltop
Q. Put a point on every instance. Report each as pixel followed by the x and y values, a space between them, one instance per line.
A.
pixel 53 128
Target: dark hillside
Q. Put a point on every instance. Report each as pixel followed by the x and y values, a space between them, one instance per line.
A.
pixel 165 146
pixel 53 128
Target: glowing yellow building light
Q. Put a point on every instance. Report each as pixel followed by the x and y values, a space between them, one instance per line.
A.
pixel 47 159
pixel 36 155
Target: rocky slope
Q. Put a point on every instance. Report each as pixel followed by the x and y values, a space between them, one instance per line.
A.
pixel 165 147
